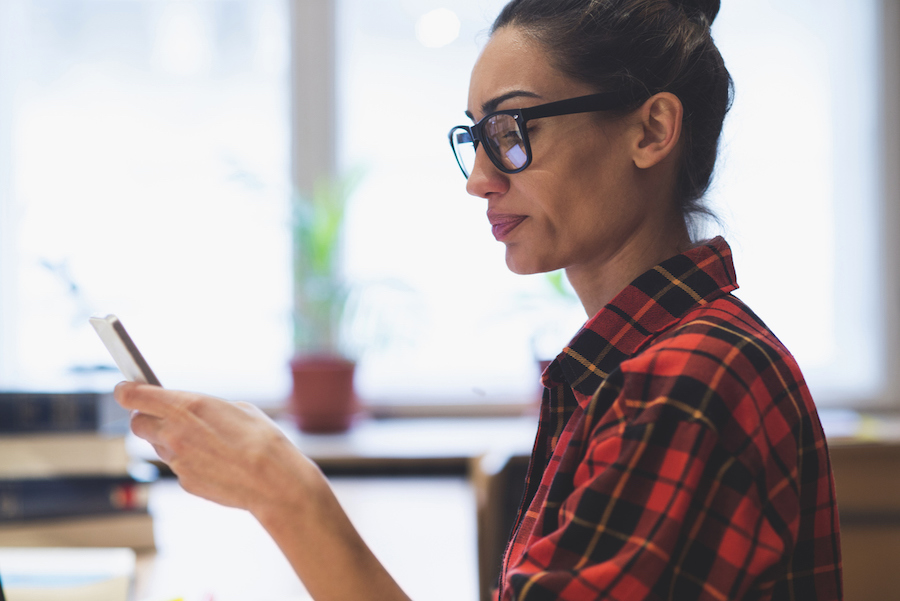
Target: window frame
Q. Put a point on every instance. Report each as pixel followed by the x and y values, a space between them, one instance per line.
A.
pixel 8 37
pixel 888 114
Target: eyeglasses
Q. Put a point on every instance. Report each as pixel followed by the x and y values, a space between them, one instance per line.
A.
pixel 505 135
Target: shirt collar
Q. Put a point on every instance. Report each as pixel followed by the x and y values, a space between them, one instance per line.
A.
pixel 650 304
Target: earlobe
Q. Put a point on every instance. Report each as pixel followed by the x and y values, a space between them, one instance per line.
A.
pixel 661 117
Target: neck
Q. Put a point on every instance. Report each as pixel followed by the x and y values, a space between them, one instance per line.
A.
pixel 597 285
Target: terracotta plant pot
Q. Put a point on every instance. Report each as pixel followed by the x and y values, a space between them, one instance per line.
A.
pixel 323 398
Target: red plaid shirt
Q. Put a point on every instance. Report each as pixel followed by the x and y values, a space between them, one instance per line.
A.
pixel 679 455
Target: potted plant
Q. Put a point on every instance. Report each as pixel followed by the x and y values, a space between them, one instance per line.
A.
pixel 558 314
pixel 323 397
pixel 559 301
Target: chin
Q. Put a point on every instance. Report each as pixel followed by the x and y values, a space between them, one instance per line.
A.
pixel 526 266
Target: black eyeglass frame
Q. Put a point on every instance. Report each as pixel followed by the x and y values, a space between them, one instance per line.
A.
pixel 603 101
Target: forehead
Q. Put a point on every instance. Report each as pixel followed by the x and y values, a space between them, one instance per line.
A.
pixel 514 62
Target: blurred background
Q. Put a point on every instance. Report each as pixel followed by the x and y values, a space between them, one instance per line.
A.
pixel 146 170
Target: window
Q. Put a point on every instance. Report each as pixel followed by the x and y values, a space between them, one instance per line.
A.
pixel 144 159
pixel 798 183
pixel 797 193
pixel 149 152
pixel 469 327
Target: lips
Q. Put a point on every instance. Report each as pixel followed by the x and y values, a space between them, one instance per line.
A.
pixel 503 224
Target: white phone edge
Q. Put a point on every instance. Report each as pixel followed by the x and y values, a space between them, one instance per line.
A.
pixel 123 350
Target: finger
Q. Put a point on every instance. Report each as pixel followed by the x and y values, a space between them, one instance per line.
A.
pixel 151 400
pixel 165 454
pixel 151 429
pixel 147 427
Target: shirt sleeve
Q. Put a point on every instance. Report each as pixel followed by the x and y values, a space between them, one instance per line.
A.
pixel 658 507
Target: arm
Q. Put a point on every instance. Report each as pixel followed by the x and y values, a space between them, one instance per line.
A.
pixel 231 453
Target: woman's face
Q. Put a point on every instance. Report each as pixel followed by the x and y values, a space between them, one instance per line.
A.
pixel 577 205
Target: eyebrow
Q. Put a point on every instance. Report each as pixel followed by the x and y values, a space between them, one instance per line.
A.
pixel 491 105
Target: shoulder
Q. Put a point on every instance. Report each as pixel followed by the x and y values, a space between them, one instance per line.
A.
pixel 718 364
pixel 723 334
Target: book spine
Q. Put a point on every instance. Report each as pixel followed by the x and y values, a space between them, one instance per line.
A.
pixel 125 529
pixel 35 499
pixel 27 412
pixel 62 455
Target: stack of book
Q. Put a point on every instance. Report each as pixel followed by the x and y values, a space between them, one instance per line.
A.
pixel 66 479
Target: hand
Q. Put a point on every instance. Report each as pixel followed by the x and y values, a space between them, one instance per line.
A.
pixel 230 453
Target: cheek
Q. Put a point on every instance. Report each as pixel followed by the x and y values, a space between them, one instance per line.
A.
pixel 587 204
pixel 601 177
pixel 580 180
pixel 584 160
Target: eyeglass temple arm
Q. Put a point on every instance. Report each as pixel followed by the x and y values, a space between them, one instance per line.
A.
pixel 583 104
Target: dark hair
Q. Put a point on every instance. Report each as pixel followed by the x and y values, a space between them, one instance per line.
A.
pixel 642 47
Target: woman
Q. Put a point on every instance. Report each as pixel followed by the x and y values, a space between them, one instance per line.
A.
pixel 679 455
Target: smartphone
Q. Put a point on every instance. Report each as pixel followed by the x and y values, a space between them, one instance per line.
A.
pixel 123 350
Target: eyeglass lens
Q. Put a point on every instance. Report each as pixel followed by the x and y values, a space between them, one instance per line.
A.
pixel 464 148
pixel 503 135
pixel 503 141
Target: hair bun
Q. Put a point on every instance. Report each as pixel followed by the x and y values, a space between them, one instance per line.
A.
pixel 708 8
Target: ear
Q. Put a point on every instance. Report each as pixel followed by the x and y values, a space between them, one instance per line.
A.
pixel 660 120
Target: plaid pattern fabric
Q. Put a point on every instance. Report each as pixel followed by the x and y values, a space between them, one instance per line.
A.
pixel 679 455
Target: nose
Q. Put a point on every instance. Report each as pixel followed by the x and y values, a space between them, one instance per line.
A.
pixel 485 179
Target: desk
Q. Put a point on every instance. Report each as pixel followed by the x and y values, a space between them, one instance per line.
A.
pixel 391 446
pixel 207 552
pixel 204 548
pixel 867 481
